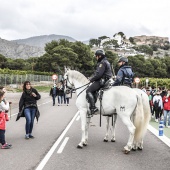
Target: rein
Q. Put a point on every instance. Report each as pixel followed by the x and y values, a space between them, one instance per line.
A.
pixel 77 87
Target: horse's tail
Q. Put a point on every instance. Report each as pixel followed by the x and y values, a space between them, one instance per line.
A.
pixel 146 112
pixel 139 119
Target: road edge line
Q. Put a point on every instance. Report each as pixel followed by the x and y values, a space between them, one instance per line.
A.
pixel 53 148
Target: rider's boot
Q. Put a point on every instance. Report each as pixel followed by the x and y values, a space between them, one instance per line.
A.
pixel 93 108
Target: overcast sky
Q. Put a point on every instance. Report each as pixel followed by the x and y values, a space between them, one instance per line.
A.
pixel 83 19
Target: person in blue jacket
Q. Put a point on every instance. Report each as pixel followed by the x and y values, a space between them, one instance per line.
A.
pixel 125 74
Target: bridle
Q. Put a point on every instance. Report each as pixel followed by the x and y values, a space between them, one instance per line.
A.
pixel 72 89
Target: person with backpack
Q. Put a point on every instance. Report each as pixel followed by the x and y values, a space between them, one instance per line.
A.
pixel 157 105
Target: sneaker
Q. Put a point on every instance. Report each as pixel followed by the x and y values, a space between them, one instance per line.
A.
pixel 168 126
pixel 156 120
pixel 26 136
pixel 9 144
pixel 6 146
pixel 32 137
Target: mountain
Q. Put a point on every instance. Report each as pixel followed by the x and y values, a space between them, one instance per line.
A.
pixel 40 41
pixel 14 50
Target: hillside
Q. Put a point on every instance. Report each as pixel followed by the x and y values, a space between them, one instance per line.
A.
pixel 40 41
pixel 14 50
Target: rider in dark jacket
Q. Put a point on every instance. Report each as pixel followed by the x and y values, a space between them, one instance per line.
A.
pixel 125 74
pixel 103 73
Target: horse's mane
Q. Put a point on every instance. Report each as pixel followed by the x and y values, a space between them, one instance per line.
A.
pixel 78 76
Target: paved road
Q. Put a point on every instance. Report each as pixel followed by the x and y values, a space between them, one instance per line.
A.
pixel 28 154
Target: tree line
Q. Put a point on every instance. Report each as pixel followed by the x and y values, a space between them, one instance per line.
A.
pixel 79 56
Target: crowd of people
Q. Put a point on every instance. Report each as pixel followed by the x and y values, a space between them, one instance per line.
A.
pixel 60 92
pixel 159 100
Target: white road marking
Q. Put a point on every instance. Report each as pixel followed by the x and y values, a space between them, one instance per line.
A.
pixel 156 133
pixel 78 117
pixel 60 150
pixel 53 148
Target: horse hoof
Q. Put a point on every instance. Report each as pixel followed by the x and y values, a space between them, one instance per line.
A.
pixel 79 147
pixel 113 140
pixel 126 152
pixel 105 140
pixel 84 144
pixel 133 149
pixel 140 148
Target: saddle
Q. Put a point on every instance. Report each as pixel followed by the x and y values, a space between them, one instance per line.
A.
pixel 99 93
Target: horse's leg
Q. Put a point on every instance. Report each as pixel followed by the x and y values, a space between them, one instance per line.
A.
pixel 112 128
pixel 106 138
pixel 140 145
pixel 84 128
pixel 126 120
pixel 86 131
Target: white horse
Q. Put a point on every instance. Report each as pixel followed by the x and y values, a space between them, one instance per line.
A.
pixel 138 140
pixel 120 99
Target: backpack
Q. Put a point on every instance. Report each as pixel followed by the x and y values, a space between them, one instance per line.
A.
pixel 156 104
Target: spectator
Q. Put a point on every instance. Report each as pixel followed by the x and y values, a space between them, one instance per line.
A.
pixel 143 89
pixel 53 93
pixel 64 96
pixel 153 93
pixel 150 99
pixel 164 92
pixel 166 107
pixel 28 106
pixel 60 91
pixel 67 96
pixel 157 105
pixel 4 106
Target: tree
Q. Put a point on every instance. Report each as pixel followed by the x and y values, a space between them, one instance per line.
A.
pixel 131 39
pixel 95 42
pixel 145 49
pixel 122 35
pixel 3 61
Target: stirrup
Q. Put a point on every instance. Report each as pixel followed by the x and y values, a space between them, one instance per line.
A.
pixel 94 110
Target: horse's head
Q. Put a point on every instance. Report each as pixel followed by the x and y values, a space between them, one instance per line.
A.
pixel 68 79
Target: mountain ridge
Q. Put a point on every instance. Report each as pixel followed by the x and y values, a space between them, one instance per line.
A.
pixel 41 40
pixel 28 47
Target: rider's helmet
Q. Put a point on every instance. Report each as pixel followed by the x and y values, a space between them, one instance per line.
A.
pixel 99 52
pixel 123 59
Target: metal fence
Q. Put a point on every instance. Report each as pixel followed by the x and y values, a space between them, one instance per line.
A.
pixel 17 80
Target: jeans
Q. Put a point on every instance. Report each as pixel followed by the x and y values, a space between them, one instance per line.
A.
pixel 60 99
pixel 29 115
pixel 67 101
pixel 53 96
pixel 167 113
pixel 2 136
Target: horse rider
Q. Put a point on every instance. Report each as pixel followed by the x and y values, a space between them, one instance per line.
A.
pixel 102 74
pixel 125 74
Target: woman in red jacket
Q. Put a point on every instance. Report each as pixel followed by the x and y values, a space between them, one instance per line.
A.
pixel 4 105
pixel 166 107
